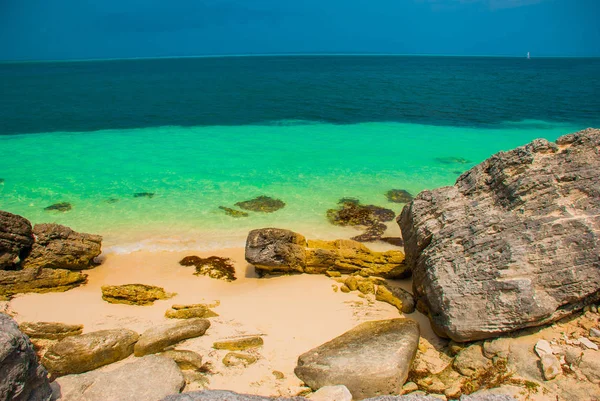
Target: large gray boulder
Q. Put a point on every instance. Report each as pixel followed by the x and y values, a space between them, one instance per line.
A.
pixel 276 249
pixel 149 379
pixel 59 247
pixel 22 378
pixel 372 359
pixel 156 339
pixel 514 243
pixel 16 239
pixel 78 354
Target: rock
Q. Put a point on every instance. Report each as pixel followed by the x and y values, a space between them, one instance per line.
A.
pixel 274 249
pixel 372 358
pixel 331 393
pixel 396 241
pixel 573 355
pixel 224 395
pixel 16 239
pixel 189 312
pixel 50 330
pixel 590 365
pixel 278 375
pixel 186 360
pixel 158 338
pixel 143 195
pixel 486 397
pixel 385 295
pixel 348 256
pixel 430 362
pixel 238 359
pixel 344 288
pixel 78 354
pixel 398 196
pixel 333 273
pixel 22 378
pixel 59 207
pixel 38 280
pixel 471 362
pixel 111 200
pixel 452 160
pixel 129 382
pixel 409 387
pixel 407 299
pixel 263 204
pixel 352 283
pixel 587 343
pixel 550 366
pixel 134 294
pixel 352 213
pixel 213 267
pixel 59 247
pixel 543 347
pixel 366 287
pixel 594 332
pixel 232 212
pixel 515 233
pixel 239 344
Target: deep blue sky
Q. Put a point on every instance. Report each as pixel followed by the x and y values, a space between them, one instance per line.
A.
pixel 80 29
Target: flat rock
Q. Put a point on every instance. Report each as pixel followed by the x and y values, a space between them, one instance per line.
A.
pixel 38 279
pixel 233 213
pixel 590 365
pixel 331 393
pixel 189 312
pixel 275 249
pixel 238 359
pixel 224 395
pixel 186 360
pixel 50 330
pixel 513 244
pixel 239 344
pixel 398 196
pixel 157 338
pixel 16 239
pixel 78 354
pixel 129 382
pixel 371 359
pixel 264 204
pixel 59 247
pixel 59 207
pixel 550 366
pixel 471 361
pixel 22 378
pixel 134 294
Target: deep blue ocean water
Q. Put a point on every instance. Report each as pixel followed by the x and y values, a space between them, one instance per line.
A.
pixel 204 132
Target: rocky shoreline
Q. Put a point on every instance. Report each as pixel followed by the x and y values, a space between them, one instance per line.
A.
pixel 504 265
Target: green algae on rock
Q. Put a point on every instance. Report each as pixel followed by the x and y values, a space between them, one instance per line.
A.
pixel 134 294
pixel 39 280
pixel 263 204
pixel 213 267
pixel 232 212
pixel 352 213
pixel 59 207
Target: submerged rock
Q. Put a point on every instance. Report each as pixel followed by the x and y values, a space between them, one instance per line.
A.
pixel 112 200
pixel 157 338
pixel 143 195
pixel 352 213
pixel 263 204
pixel 372 359
pixel 22 378
pixel 1 180
pixel 50 330
pixel 232 212
pixel 371 234
pixel 130 382
pixel 396 241
pixel 16 239
pixel 78 354
pixel 514 243
pixel 275 249
pixel 38 279
pixel 213 267
pixel 452 160
pixel 59 247
pixel 59 207
pixel 398 196
pixel 134 294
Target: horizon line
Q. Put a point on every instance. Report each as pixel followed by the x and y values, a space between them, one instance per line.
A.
pixel 308 54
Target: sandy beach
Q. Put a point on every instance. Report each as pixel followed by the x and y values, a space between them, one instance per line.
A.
pixel 293 313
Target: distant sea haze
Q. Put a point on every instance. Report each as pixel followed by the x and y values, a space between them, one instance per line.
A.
pixel 196 134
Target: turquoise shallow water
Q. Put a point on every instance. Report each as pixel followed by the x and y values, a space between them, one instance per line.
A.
pixel 194 170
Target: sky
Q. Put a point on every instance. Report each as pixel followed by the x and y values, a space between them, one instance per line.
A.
pixel 84 29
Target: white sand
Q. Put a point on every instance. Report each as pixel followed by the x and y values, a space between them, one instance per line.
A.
pixel 293 313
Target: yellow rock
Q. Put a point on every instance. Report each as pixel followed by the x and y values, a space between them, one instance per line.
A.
pixel 385 295
pixel 239 344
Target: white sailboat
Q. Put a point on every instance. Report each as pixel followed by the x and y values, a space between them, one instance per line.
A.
pixel 528 56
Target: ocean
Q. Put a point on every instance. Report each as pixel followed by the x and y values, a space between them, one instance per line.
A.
pixel 199 133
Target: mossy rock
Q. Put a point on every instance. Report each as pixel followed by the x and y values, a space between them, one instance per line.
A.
pixel 385 295
pixel 213 267
pixel 233 212
pixel 50 330
pixel 238 359
pixel 239 344
pixel 264 204
pixel 59 207
pixel 38 279
pixel 399 196
pixel 134 294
